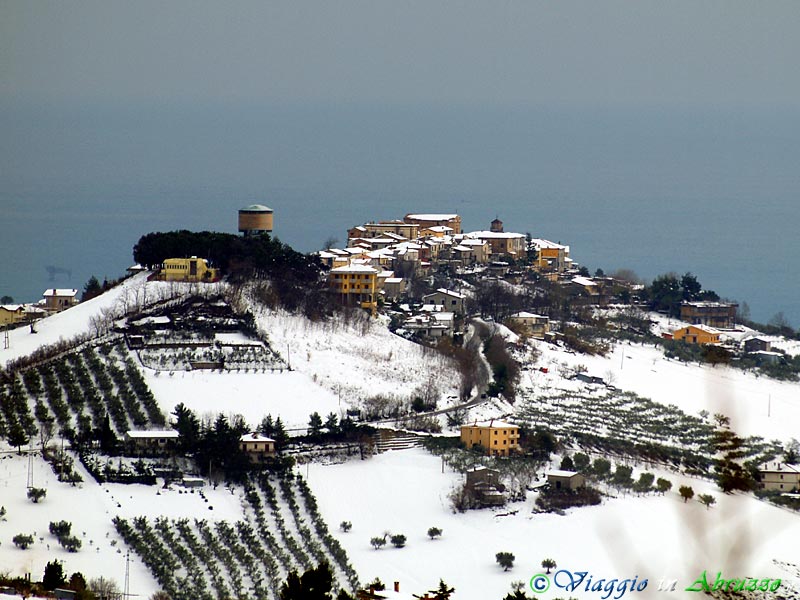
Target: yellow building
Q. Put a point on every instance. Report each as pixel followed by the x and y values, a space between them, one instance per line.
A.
pixel 11 314
pixel 696 334
pixel 188 269
pixel 355 285
pixel 498 437
pixel 56 300
pixel 552 257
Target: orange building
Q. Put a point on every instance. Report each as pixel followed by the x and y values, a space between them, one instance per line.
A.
pixel 696 334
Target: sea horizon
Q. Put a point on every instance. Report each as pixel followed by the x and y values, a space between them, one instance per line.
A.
pixel 653 190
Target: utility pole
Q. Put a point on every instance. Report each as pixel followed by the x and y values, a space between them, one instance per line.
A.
pixel 127 589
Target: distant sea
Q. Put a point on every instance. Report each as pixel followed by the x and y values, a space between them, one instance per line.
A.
pixel 714 192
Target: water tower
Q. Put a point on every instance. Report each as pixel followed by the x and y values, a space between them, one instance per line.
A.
pixel 255 220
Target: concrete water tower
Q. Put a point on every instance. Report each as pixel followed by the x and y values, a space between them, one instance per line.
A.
pixel 255 220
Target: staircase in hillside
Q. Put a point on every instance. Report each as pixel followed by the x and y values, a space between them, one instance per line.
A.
pixel 391 439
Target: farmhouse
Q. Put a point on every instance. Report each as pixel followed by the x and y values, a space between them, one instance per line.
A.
pixel 721 315
pixel 536 325
pixel 257 447
pixel 56 300
pixel 779 476
pixel 696 334
pixel 497 437
pixel 155 441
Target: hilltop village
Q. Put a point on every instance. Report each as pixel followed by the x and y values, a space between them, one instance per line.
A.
pixel 248 421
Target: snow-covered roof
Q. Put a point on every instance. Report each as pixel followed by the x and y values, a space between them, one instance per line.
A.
pixel 446 293
pixel 497 235
pixel 153 434
pixel 256 208
pixel 354 268
pixel 561 473
pixel 492 423
pixel 394 280
pixel 461 248
pixel 584 281
pixel 432 216
pixel 542 243
pixel 526 315
pixel 439 228
pixel 473 242
pixel 255 437
pixel 12 307
pixel 60 292
pixel 779 467
pixel 705 328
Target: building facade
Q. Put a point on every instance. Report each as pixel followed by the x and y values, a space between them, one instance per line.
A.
pixel 778 476
pixel 188 269
pixel 355 285
pixel 696 334
pixel 255 220
pixel 720 315
pixel 56 300
pixel 497 437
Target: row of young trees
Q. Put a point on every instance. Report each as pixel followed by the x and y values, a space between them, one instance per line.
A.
pixel 248 559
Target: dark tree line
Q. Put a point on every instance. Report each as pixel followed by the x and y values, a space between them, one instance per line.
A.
pixel 295 278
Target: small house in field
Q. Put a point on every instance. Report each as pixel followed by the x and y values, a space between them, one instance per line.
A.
pixel 565 480
pixel 258 447
pixel 757 344
pixel 484 485
pixel 536 325
pixel 152 442
pixel 696 334
pixel 56 300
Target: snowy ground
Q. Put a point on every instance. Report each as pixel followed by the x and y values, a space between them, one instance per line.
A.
pixel 90 507
pixel 291 395
pixel 650 537
pixel 755 405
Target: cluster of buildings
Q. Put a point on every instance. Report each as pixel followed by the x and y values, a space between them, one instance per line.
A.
pixel 53 300
pixel 381 257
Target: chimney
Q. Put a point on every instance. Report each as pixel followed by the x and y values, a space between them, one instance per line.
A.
pixel 396 587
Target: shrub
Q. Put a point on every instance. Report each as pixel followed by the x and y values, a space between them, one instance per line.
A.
pixel 505 560
pixel 60 529
pixel 398 540
pixel 345 526
pixel 378 542
pixel 36 494
pixel 70 542
pixel 434 532
pixel 22 541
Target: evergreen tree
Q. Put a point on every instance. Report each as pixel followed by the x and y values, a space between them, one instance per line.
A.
pixel 91 289
pixel 314 584
pixel 314 425
pixel 53 575
pixel 442 592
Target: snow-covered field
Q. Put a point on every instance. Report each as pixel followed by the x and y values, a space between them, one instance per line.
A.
pixel 90 507
pixel 650 537
pixel 338 365
pixel 755 405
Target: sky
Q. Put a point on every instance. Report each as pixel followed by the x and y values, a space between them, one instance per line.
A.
pixel 570 119
pixel 683 53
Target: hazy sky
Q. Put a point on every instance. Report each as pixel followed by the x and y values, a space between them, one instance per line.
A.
pixel 492 52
